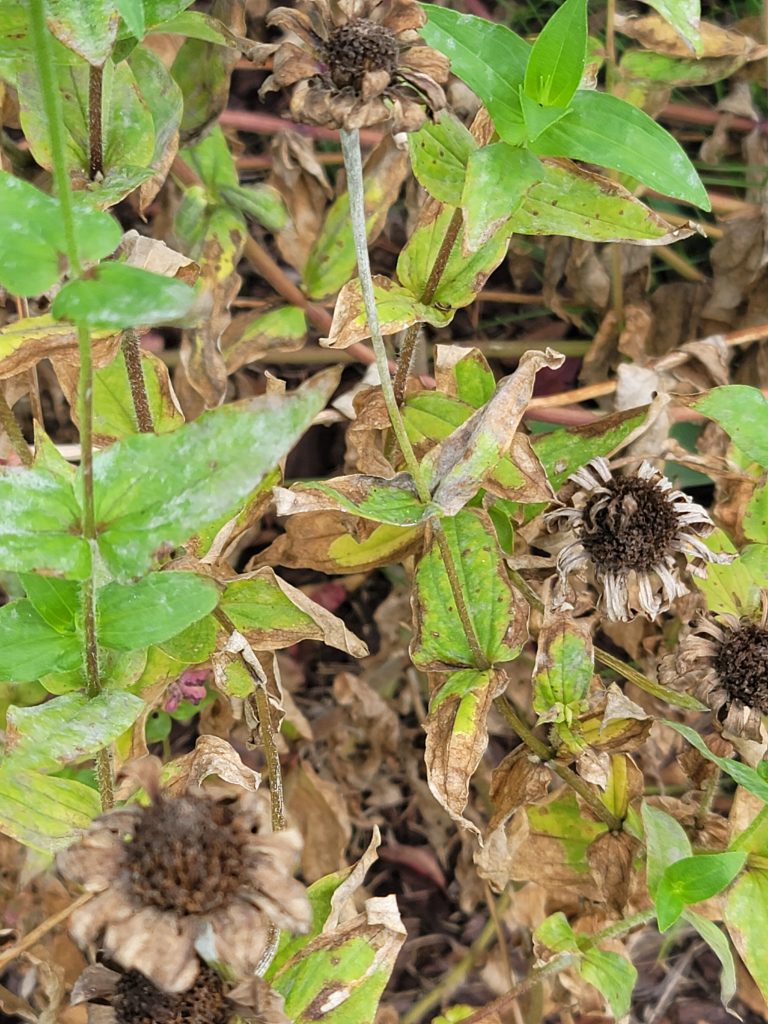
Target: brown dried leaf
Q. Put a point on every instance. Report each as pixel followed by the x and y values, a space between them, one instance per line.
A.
pixel 317 807
pixel 455 747
pixel 519 779
pixel 211 756
pixel 655 33
pixel 333 542
pixel 459 466
pixel 25 342
pixel 300 179
pixel 154 255
pixel 610 859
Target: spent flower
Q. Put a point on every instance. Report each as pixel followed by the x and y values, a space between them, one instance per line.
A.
pixel 357 63
pixel 635 533
pixel 723 661
pixel 128 997
pixel 182 872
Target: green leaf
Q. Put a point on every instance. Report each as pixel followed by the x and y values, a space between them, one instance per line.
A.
pixel 498 177
pixel 570 200
pixel 735 587
pixel 166 104
pixel 132 13
pixel 693 879
pixel 29 647
pixel 331 261
pixel 490 58
pixel 746 911
pixel 718 943
pixel 114 414
pixel 32 243
pixel 128 126
pixel 116 295
pixel 562 819
pixel 557 59
pixel 68 728
pixel 612 975
pixel 747 777
pixel 665 843
pixel 55 600
pixel 564 668
pixel 155 609
pixel 44 813
pixel 262 203
pixel 538 118
pixel 463 276
pixel 440 640
pixel 343 970
pixel 684 17
pixel 154 491
pixel 603 129
pixel 253 335
pixel 556 934
pixel 89 29
pixel 756 515
pixel 561 452
pixel 40 524
pixel 396 306
pixel 742 412
pixel 392 501
pixel 440 151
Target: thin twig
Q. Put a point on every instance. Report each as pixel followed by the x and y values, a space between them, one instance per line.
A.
pixel 33 937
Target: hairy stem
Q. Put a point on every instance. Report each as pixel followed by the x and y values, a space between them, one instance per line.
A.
pixel 95 139
pixel 139 397
pixel 53 116
pixel 546 754
pixel 408 346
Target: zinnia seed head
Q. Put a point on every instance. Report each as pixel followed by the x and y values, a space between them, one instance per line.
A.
pixel 741 665
pixel 359 47
pixel 137 1001
pixel 185 855
pixel 633 529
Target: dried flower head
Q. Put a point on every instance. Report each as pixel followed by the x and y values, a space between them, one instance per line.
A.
pixel 128 997
pixel 183 871
pixel 635 532
pixel 724 662
pixel 358 63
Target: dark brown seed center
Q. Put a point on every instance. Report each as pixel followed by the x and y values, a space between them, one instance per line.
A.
pixel 742 666
pixel 631 529
pixel 185 855
pixel 137 1001
pixel 358 47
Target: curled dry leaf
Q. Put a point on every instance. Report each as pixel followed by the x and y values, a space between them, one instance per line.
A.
pixel 317 807
pixel 610 858
pixel 211 756
pixel 26 342
pixel 462 463
pixel 154 255
pixel 521 778
pixel 655 33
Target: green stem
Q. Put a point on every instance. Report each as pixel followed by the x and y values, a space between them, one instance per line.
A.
pixel 546 754
pixel 412 334
pixel 353 164
pixel 54 120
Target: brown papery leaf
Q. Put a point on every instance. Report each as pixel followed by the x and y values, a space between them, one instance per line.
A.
pixel 610 859
pixel 317 807
pixel 25 342
pixel 655 33
pixel 521 778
